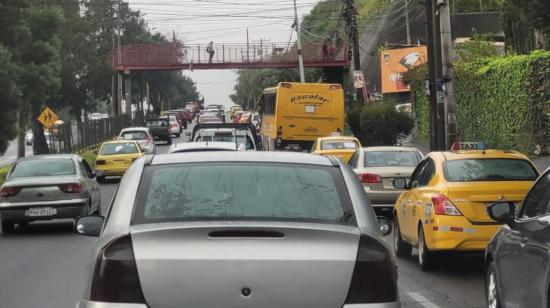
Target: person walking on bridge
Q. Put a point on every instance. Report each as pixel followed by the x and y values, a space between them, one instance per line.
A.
pixel 210 50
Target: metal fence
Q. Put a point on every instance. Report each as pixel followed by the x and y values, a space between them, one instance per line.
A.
pixel 75 137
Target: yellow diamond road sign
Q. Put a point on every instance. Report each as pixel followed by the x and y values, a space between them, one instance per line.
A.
pixel 47 117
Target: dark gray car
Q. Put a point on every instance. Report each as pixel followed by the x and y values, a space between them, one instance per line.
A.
pixel 239 229
pixel 44 187
pixel 518 256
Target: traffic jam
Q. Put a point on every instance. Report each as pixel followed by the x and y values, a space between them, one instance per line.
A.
pixel 216 206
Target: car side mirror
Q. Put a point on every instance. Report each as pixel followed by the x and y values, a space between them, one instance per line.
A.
pixel 503 211
pixel 400 183
pixel 89 225
pixel 384 225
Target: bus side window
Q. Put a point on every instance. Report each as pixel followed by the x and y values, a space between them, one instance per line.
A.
pixel 269 101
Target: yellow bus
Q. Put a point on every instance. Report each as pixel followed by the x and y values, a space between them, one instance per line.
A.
pixel 294 115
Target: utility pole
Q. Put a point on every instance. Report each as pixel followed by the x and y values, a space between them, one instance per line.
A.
pixel 407 22
pixel 439 94
pixel 350 14
pixel 448 76
pixel 119 53
pixel 299 42
pixel 431 76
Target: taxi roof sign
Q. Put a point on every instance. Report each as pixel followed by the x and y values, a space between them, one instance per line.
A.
pixel 47 117
pixel 468 146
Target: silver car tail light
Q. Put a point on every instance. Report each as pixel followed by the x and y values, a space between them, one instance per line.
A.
pixel 375 274
pixel 115 278
pixel 71 187
pixel 7 191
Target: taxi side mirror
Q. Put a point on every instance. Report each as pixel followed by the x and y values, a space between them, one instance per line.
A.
pixel 400 183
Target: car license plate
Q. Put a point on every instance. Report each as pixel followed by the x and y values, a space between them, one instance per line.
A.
pixel 41 211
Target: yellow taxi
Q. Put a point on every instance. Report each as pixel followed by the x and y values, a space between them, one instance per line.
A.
pixel 444 206
pixel 115 157
pixel 342 147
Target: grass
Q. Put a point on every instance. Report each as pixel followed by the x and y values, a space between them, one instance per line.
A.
pixel 90 156
pixel 3 171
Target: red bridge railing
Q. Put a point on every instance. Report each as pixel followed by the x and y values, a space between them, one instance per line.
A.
pixel 180 56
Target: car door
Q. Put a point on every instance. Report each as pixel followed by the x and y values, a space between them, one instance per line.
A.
pixel 423 195
pixel 407 203
pixel 523 253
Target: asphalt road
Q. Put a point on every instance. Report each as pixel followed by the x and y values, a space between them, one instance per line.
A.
pixel 46 266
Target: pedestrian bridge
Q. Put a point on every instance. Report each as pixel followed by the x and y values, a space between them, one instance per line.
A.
pixel 178 56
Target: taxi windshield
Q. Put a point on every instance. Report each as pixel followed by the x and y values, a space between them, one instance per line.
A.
pixel 339 145
pixel 489 169
pixel 118 149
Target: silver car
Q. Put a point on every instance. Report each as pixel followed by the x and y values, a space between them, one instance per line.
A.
pixel 142 135
pixel 239 229
pixel 377 167
pixel 45 187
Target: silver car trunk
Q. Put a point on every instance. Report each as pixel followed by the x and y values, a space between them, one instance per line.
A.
pixel 214 264
pixel 42 188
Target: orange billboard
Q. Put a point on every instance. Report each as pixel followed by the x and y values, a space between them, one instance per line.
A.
pixel 396 62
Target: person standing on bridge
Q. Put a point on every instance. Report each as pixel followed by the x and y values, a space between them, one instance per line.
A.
pixel 210 50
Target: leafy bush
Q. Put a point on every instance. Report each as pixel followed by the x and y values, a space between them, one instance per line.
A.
pixel 381 124
pixel 505 101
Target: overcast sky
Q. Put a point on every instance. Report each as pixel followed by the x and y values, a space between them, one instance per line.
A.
pixel 221 21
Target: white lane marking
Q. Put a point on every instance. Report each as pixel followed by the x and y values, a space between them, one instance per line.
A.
pixel 422 300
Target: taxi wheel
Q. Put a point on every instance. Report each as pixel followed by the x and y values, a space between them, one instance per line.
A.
pixel 100 179
pixel 491 289
pixel 8 227
pixel 402 248
pixel 426 259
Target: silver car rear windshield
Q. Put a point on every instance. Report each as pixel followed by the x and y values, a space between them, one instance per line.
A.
pixel 488 169
pixel 392 159
pixel 43 167
pixel 243 191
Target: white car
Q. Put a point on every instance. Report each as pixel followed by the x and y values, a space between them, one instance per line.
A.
pixel 205 146
pixel 29 138
pixel 142 135
pixel 243 138
pixel 95 116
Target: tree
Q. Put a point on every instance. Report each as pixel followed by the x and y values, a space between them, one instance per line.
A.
pixel 381 124
pixel 527 24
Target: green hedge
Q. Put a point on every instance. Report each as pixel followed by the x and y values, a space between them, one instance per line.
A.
pixel 422 116
pixel 505 101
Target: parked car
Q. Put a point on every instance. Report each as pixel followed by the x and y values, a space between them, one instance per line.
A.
pixel 377 167
pixel 226 221
pixel 517 259
pixel 45 187
pixel 342 147
pixel 95 116
pixel 115 157
pixel 444 207
pixel 160 129
pixel 29 138
pixel 142 135
pixel 204 146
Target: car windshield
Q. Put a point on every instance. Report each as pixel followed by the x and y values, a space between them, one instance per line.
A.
pixel 242 191
pixel 134 135
pixel 156 123
pixel 391 158
pixel 118 148
pixel 489 169
pixel 43 167
pixel 339 145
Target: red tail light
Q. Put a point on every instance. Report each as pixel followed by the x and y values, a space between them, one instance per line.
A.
pixel 369 178
pixel 373 260
pixel 7 191
pixel 444 206
pixel 115 277
pixel 100 162
pixel 71 187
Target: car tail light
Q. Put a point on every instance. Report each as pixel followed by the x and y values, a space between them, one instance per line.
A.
pixel 374 277
pixel 115 277
pixel 100 162
pixel 444 206
pixel 369 178
pixel 70 187
pixel 7 191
